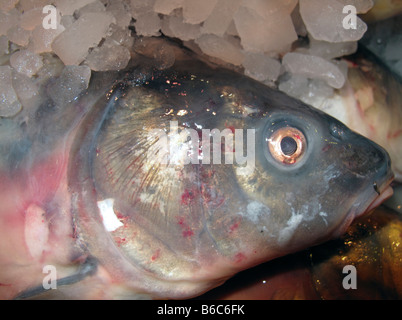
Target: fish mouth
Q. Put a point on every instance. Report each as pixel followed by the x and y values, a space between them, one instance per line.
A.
pixel 383 193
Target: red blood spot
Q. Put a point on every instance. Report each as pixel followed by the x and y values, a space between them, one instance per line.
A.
pixel 395 134
pixel 186 230
pixel 156 255
pixel 234 227
pixel 188 196
pixel 180 220
pixel 187 233
pixel 119 240
pixel 297 137
pixel 239 257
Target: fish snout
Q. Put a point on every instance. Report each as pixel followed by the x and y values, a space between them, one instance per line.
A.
pixel 372 163
pixel 365 158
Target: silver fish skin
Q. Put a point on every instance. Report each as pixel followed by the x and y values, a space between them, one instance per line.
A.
pixel 188 226
pixel 182 228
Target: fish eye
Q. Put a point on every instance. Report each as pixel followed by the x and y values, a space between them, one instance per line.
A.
pixel 287 145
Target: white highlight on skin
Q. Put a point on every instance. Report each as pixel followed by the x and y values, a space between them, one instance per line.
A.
pixel 36 230
pixel 254 211
pixel 109 218
pixel 323 215
pixel 287 232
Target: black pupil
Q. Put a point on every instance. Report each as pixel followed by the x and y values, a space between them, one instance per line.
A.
pixel 288 146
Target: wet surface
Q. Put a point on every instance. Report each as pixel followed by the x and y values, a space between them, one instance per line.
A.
pixel 372 245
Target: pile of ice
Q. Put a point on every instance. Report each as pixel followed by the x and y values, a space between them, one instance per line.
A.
pixel 291 44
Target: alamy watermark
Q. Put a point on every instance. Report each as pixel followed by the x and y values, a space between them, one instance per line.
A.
pixel 189 146
pixel 350 21
pixel 350 280
pixel 50 280
pixel 50 20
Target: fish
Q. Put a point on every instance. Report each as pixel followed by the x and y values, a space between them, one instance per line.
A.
pixel 131 192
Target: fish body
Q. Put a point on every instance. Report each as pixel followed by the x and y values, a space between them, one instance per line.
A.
pixel 124 179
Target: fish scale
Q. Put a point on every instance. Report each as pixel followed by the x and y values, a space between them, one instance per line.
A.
pixel 186 227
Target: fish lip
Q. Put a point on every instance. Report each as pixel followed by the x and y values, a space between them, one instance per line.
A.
pixel 382 193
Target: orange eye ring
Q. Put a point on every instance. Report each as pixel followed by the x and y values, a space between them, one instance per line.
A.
pixel 287 145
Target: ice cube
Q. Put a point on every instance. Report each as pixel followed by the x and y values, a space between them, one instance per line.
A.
pixel 221 17
pixel 26 5
pixel 267 8
pixel 148 24
pixel 7 5
pixel 310 91
pixel 67 21
pixel 108 57
pixel 68 7
pixel 32 18
pixel 24 86
pixel 231 30
pixel 275 34
pixel 314 67
pixel 52 68
pixel 220 48
pixel 4 45
pixel 140 7
pixel 330 24
pixel 8 20
pixel 26 89
pixel 71 83
pixel 294 85
pixel 261 67
pixel 167 6
pixel 174 26
pixel 95 6
pixel 121 13
pixel 42 38
pixel 9 104
pixel 72 45
pixel 26 62
pixel 195 11
pixel 120 36
pixel 19 35
pixel 330 50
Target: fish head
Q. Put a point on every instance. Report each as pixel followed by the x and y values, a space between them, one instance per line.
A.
pixel 313 176
pixel 189 175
